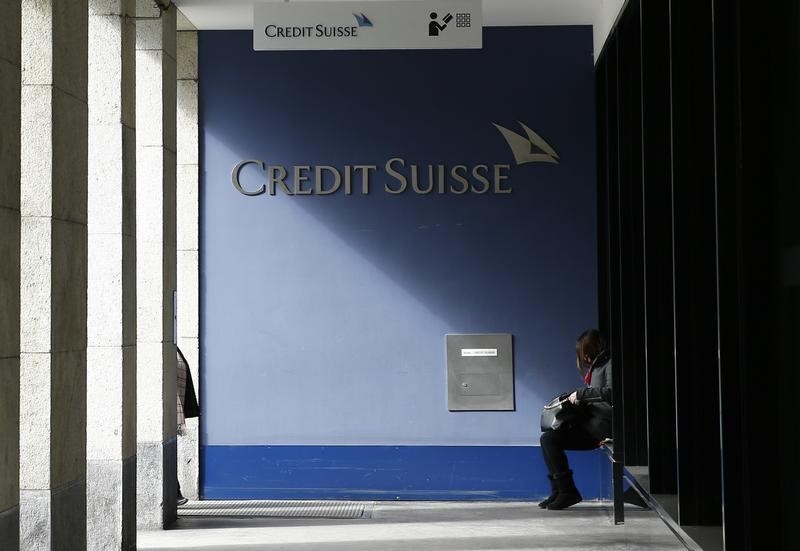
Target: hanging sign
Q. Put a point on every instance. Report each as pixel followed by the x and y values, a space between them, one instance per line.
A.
pixel 393 25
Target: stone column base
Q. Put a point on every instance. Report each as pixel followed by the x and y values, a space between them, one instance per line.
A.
pixel 188 466
pixel 111 504
pixel 156 484
pixel 53 519
pixel 9 528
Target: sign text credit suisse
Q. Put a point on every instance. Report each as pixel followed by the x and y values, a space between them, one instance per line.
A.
pixel 261 178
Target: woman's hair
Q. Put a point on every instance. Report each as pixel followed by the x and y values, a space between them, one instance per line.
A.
pixel 591 343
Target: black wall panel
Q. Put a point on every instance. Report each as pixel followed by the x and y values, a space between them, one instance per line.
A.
pixel 612 203
pixel 733 348
pixel 694 269
pixel 658 283
pixel 700 256
pixel 779 158
pixel 603 299
pixel 631 243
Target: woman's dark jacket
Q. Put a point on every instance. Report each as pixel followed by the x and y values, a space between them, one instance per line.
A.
pixel 596 398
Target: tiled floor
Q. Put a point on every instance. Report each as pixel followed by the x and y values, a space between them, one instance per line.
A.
pixel 709 538
pixel 425 526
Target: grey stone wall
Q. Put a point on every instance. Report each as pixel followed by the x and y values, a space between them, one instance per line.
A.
pixel 188 248
pixel 156 82
pixel 10 88
pixel 111 356
pixel 53 247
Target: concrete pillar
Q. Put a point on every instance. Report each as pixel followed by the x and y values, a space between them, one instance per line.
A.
pixel 156 82
pixel 111 352
pixel 9 273
pixel 53 271
pixel 188 238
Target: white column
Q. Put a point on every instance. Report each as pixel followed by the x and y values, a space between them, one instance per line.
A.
pixel 9 273
pixel 111 352
pixel 53 272
pixel 188 238
pixel 156 82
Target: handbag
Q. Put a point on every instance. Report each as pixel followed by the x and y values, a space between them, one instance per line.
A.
pixel 559 412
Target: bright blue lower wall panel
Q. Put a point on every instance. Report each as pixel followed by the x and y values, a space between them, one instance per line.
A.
pixel 389 472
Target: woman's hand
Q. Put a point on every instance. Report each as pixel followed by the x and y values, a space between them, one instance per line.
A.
pixel 573 397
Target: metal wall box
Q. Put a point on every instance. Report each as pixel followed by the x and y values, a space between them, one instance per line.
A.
pixel 480 372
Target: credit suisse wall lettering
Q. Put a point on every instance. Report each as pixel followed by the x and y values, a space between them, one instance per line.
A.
pixel 404 177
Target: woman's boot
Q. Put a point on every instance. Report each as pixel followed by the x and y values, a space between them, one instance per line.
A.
pixel 553 493
pixel 568 494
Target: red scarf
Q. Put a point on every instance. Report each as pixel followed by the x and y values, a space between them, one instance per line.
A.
pixel 601 358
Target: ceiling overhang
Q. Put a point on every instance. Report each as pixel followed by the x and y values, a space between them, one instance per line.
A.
pixel 601 14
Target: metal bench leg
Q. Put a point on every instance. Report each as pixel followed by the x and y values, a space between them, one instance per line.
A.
pixel 619 499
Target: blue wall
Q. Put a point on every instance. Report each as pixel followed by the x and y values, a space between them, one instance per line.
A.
pixel 323 317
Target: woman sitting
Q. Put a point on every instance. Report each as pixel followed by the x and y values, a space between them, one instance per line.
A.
pixel 594 363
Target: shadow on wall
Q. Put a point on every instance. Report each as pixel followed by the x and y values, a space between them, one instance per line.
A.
pixel 522 262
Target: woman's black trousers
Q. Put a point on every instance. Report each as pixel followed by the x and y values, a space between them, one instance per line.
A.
pixel 554 442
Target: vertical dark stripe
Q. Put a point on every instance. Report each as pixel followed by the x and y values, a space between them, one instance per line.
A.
pixel 733 395
pixel 601 79
pixel 631 246
pixel 696 373
pixel 777 159
pixel 615 328
pixel 656 180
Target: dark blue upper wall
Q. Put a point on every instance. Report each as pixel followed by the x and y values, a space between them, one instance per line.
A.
pixel 323 318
